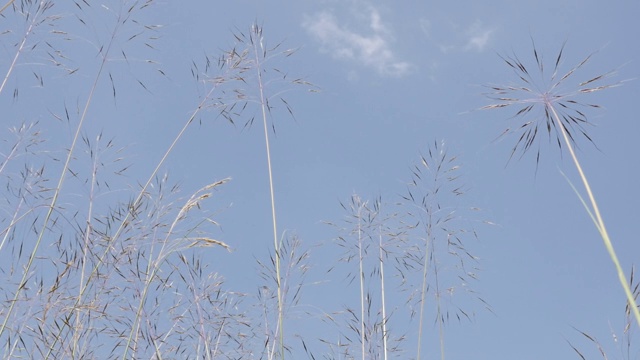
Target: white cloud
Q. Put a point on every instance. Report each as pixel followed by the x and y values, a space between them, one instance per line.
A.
pixel 478 36
pixel 371 50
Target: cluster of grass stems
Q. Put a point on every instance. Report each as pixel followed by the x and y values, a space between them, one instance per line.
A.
pixel 123 276
pixel 419 245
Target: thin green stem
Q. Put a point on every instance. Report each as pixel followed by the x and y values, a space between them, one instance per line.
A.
pixel 599 221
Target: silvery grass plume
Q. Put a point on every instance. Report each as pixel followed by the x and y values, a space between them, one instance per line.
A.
pixel 549 103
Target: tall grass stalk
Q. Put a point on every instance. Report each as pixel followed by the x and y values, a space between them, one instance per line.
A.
pixel 361 253
pixel 385 333
pixel 251 54
pixel 294 267
pixel 562 117
pixel 259 51
pixel 426 238
pixel 356 241
pixel 233 71
pixel 371 237
pixel 439 227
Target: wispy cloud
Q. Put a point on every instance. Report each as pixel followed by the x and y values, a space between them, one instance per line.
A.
pixel 450 36
pixel 371 49
pixel 478 36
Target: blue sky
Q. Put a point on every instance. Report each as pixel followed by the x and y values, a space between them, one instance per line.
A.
pixel 393 78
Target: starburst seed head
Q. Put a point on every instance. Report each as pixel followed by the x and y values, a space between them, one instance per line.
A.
pixel 544 102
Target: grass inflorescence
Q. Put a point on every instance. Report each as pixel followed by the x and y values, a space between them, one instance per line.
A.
pixel 544 104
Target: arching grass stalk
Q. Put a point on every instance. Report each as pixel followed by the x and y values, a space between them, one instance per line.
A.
pixel 185 242
pixel 133 206
pixel 546 104
pixel 205 103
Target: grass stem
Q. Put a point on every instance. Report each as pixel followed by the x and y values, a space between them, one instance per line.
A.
pixel 599 222
pixel 385 334
pixel 276 245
